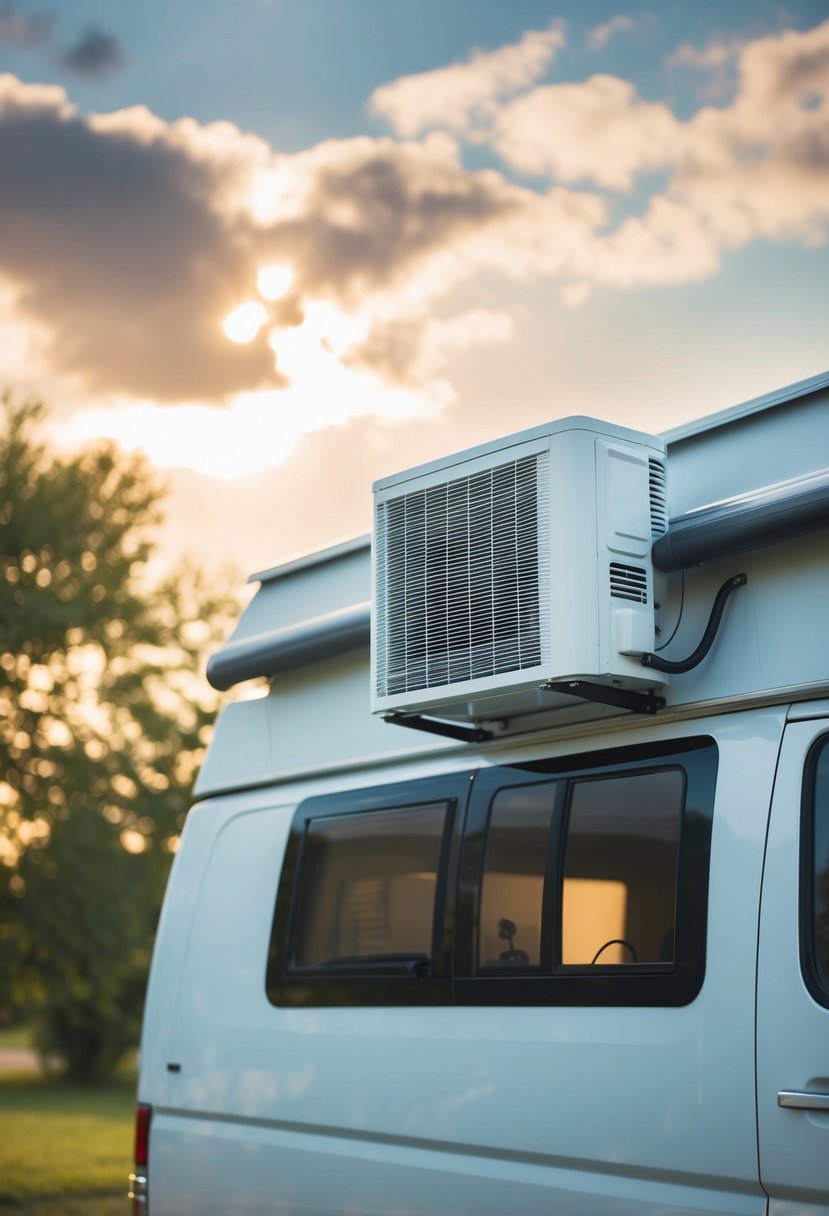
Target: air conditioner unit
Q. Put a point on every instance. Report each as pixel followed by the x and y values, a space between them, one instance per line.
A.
pixel 515 564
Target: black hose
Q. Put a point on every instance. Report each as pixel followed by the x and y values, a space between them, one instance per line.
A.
pixel 707 641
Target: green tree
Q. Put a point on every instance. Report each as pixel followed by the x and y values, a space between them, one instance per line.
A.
pixel 103 724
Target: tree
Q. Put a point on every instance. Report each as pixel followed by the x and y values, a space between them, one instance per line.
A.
pixel 103 724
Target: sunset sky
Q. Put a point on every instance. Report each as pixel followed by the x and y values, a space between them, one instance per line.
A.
pixel 286 247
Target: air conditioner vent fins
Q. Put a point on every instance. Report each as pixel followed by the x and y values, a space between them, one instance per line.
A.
pixel 628 583
pixel 658 497
pixel 463 587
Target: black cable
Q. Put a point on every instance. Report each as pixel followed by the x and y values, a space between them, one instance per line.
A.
pixel 707 641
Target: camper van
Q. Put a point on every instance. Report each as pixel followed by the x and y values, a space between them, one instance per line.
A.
pixel 511 896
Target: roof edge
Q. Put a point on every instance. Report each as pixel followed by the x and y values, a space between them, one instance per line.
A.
pixel 736 413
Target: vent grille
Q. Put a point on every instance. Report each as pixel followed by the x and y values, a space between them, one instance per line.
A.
pixel 628 583
pixel 659 498
pixel 462 583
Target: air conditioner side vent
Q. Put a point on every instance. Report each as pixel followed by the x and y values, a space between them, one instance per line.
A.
pixel 658 497
pixel 628 583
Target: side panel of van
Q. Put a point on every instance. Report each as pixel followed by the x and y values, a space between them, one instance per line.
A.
pixel 460 1109
pixel 793 980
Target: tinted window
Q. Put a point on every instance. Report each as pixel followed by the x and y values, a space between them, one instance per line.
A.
pixel 365 908
pixel 817 839
pixel 512 892
pixel 620 870
pixel 584 880
pixel 367 886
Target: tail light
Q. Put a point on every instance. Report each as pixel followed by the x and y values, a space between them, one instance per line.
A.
pixel 138 1180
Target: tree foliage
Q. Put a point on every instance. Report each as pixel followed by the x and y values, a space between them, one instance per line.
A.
pixel 103 723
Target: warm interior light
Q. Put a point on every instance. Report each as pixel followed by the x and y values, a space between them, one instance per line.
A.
pixel 244 323
pixel 275 281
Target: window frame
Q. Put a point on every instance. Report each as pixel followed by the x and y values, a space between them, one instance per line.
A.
pixel 358 983
pixel 650 984
pixel 807 903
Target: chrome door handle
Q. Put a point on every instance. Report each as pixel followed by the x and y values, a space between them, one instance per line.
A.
pixel 801 1101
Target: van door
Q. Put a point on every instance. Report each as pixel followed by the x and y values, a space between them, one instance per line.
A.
pixel 793 978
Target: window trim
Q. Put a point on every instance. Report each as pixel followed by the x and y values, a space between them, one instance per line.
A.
pixel 808 909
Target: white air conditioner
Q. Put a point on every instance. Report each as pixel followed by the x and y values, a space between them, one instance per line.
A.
pixel 515 564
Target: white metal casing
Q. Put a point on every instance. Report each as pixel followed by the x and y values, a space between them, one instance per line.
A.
pixel 519 562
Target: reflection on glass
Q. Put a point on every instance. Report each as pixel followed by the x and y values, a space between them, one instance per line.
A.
pixel 509 931
pixel 367 885
pixel 619 896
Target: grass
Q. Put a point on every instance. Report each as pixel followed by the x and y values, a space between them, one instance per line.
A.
pixel 16 1036
pixel 64 1150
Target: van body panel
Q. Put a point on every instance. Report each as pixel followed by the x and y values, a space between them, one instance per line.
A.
pixel 212 1168
pixel 792 1025
pixel 579 1105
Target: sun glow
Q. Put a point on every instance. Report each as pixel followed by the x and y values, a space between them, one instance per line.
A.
pixel 274 282
pixel 243 324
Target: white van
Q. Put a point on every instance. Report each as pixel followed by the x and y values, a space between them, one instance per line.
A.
pixel 524 908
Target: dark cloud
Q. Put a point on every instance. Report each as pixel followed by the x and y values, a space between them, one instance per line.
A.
pixel 117 233
pixel 115 243
pixel 24 29
pixel 94 54
pixel 380 210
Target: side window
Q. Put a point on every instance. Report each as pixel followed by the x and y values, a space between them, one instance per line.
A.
pixel 588 885
pixel 815 927
pixel 512 889
pixel 620 870
pixel 365 907
pixel 366 888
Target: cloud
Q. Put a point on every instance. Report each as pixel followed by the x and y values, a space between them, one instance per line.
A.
pixel 94 54
pixel 113 244
pixel 599 130
pixel 414 349
pixel 24 29
pixel 715 55
pixel 128 240
pixel 601 34
pixel 457 97
pixel 759 168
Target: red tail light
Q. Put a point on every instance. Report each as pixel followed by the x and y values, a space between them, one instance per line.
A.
pixel 138 1180
pixel 143 1114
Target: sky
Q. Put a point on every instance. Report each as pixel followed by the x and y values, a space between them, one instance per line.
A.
pixel 287 247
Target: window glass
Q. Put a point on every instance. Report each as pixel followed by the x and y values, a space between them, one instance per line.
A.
pixel 366 886
pixel 620 870
pixel 820 868
pixel 509 932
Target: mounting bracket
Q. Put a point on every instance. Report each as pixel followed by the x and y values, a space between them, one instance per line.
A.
pixel 434 726
pixel 620 698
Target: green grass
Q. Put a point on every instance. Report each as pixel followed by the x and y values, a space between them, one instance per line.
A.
pixel 16 1036
pixel 65 1144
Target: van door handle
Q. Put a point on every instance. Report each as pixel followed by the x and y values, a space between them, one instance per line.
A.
pixel 801 1101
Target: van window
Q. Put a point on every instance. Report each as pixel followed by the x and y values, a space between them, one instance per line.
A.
pixel 571 881
pixel 365 906
pixel 513 881
pixel 589 887
pixel 367 887
pixel 620 870
pixel 815 934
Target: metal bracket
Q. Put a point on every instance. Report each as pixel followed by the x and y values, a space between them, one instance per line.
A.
pixel 433 726
pixel 620 698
